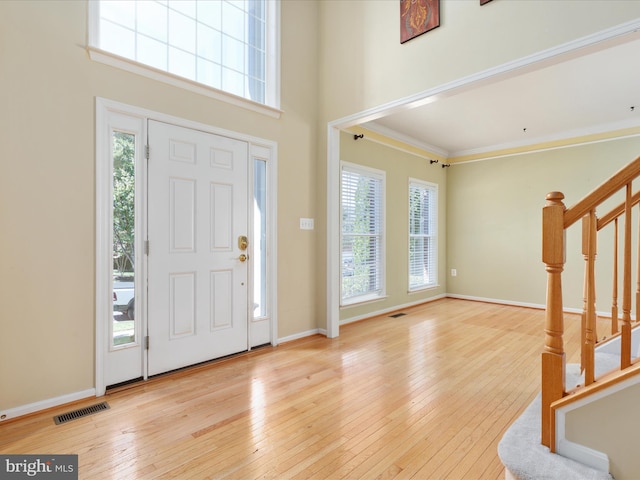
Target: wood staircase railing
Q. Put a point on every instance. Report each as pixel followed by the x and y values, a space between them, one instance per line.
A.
pixel 556 219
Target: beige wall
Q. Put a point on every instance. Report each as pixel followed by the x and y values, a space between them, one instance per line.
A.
pixel 338 58
pixel 398 167
pixel 363 65
pixel 48 87
pixel 494 213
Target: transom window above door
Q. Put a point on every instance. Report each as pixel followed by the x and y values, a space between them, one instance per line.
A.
pixel 224 45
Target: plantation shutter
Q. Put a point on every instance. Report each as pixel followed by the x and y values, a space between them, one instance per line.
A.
pixel 362 208
pixel 423 221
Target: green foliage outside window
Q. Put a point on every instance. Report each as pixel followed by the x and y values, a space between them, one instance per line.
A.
pixel 361 244
pixel 123 203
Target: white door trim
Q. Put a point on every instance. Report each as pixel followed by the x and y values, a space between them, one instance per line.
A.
pixel 258 148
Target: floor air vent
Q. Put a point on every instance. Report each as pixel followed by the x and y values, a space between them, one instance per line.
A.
pixel 83 412
pixel 396 315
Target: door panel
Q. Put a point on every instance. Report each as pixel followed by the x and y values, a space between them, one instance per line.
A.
pixel 182 213
pixel 221 295
pixel 221 217
pixel 198 297
pixel 182 299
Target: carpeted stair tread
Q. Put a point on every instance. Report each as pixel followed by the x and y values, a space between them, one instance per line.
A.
pixel 526 458
pixel 605 362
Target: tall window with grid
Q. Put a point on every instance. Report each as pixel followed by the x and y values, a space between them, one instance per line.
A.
pixel 362 228
pixel 423 239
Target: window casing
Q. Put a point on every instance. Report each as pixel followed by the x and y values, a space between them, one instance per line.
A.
pixel 362 256
pixel 224 45
pixel 423 238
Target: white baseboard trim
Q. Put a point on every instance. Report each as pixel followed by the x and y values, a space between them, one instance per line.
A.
pixel 297 336
pixel 502 302
pixel 523 304
pixel 395 308
pixel 44 404
pixel 587 456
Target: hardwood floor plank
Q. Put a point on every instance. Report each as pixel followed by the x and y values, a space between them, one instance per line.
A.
pixel 425 396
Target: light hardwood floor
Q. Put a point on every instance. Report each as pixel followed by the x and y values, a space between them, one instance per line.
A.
pixel 426 396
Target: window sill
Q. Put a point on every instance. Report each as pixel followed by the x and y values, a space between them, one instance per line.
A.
pixel 422 289
pixel 117 61
pixel 364 300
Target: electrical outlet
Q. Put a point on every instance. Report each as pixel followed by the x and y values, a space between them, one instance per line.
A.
pixel 306 224
pixel 454 272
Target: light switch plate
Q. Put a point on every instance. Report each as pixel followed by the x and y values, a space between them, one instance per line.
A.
pixel 306 224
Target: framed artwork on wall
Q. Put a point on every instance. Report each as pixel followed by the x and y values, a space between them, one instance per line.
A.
pixel 418 17
pixel 482 2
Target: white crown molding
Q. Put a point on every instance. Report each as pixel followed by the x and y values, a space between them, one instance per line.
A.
pixel 406 139
pixel 576 48
pixel 535 142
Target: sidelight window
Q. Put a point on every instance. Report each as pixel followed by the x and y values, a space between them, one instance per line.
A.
pixel 260 239
pixel 123 248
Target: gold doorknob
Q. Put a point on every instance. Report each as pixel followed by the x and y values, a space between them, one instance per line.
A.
pixel 243 258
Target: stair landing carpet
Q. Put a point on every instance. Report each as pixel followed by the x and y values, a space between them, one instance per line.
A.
pixel 526 458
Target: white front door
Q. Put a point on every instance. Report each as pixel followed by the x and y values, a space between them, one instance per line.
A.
pixel 197 269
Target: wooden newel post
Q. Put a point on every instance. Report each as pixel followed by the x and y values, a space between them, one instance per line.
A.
pixel 553 358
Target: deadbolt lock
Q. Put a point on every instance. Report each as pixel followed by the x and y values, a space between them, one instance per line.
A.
pixel 243 243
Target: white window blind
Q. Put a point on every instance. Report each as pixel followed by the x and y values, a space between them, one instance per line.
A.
pixel 423 240
pixel 362 228
pixel 226 45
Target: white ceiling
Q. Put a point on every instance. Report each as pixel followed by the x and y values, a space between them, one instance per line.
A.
pixel 585 91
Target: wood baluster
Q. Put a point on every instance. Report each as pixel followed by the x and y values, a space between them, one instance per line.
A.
pixel 589 232
pixel 585 288
pixel 625 348
pixel 614 301
pixel 638 274
pixel 553 356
